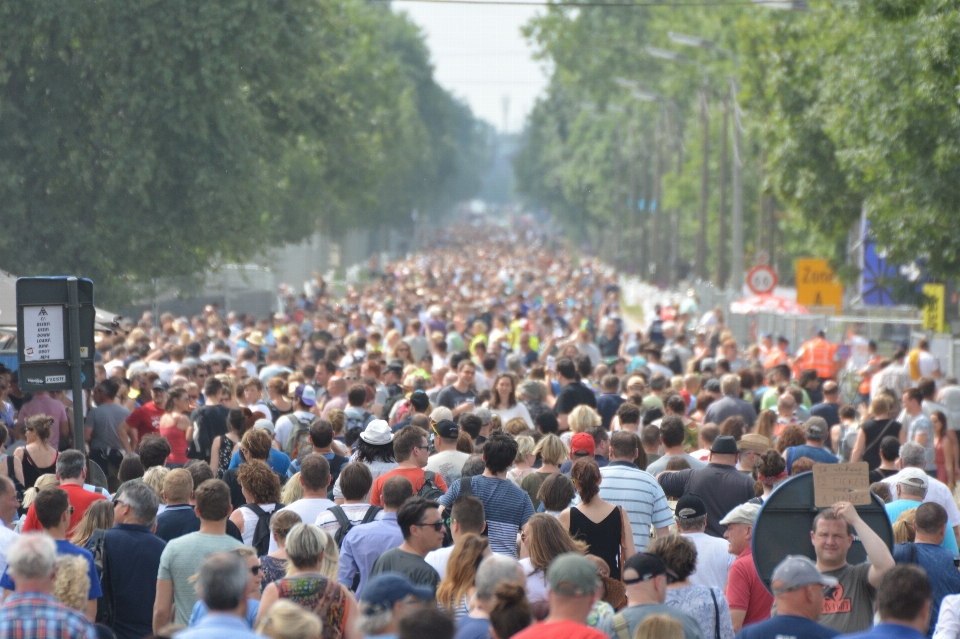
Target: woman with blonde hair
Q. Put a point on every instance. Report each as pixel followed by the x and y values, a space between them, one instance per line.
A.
pixel 659 627
pixel 461 573
pixel 154 478
pixel 523 463
pixel 581 419
pixel 37 457
pixel 553 452
pixel 904 528
pixel 766 422
pixel 71 586
pixel 292 490
pixel 175 426
pixel 544 539
pixel 287 620
pixel 307 585
pixel 44 482
pixel 98 516
pixel 274 565
pixel 503 401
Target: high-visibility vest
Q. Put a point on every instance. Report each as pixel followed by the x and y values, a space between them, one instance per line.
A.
pixel 818 354
pixel 864 387
pixel 774 358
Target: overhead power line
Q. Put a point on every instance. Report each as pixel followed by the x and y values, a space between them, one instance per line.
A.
pixel 666 5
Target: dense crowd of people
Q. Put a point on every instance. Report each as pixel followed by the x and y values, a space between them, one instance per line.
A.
pixel 476 443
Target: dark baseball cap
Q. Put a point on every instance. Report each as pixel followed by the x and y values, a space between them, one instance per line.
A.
pixel 646 565
pixel 386 589
pixel 713 385
pixel 447 429
pixel 161 385
pixel 690 506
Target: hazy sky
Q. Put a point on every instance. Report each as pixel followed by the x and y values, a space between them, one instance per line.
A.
pixel 480 55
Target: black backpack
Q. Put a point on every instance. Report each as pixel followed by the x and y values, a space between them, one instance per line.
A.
pixel 97 547
pixel 261 534
pixel 429 490
pixel 346 525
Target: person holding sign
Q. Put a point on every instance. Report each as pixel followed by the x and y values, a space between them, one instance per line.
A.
pixel 798 589
pixel 848 607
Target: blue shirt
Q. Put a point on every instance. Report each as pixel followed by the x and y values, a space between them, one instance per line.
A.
pixel 830 412
pixel 818 454
pixel 363 545
pixel 506 506
pixel 218 625
pixel 787 627
pixel 888 631
pixel 39 616
pixel 941 573
pixel 200 612
pixel 66 548
pixel 132 551
pixel 470 628
pixel 898 507
pixel 278 461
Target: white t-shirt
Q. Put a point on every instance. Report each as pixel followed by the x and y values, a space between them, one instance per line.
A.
pixel 536 583
pixel 7 537
pixel 438 559
pixel 713 560
pixel 285 426
pixel 308 509
pixel 928 364
pixel 517 411
pixel 448 465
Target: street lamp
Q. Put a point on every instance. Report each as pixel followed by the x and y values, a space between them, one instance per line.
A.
pixel 736 262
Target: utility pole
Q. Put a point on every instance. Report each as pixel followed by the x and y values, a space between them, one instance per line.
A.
pixel 721 275
pixel 702 251
pixel 736 263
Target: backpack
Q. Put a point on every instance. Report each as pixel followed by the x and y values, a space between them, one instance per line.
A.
pixel 429 490
pixel 261 534
pixel 298 443
pixel 466 490
pixel 346 525
pixel 357 424
pixel 96 546
pixel 388 405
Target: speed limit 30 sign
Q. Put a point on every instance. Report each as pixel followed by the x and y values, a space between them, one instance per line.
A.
pixel 762 279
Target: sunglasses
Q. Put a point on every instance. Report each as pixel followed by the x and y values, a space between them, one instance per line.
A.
pixel 255 570
pixel 437 525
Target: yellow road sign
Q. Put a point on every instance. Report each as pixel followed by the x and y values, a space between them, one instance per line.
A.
pixel 934 311
pixel 817 284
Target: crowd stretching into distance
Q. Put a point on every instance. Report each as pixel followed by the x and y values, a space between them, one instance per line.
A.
pixel 476 443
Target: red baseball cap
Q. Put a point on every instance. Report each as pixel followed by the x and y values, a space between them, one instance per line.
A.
pixel 582 442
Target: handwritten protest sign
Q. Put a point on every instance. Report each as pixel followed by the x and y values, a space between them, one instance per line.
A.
pixel 841 482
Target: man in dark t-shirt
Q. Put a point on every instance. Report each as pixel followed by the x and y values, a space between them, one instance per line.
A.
pixel 459 396
pixel 210 421
pixel 572 392
pixel 422 528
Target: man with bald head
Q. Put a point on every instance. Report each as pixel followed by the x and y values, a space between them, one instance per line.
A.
pixel 798 600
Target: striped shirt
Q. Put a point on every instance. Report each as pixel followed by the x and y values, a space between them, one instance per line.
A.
pixel 506 508
pixel 640 495
pixel 35 615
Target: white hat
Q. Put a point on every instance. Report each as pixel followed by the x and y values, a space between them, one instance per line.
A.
pixel 742 514
pixel 377 433
pixel 265 424
pixel 441 413
pixel 911 476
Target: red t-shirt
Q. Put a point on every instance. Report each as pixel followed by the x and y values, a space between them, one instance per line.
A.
pixel 559 630
pixel 146 420
pixel 746 592
pixel 415 475
pixel 79 498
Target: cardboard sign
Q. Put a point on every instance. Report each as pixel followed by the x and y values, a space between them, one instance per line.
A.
pixel 841 482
